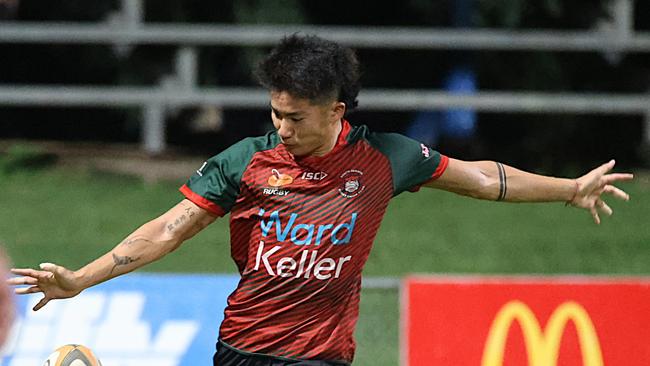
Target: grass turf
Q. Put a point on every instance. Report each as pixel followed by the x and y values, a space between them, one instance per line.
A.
pixel 70 217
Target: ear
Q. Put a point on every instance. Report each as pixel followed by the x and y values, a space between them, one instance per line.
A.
pixel 338 111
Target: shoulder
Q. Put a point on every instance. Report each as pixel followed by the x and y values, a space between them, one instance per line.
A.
pixel 412 163
pixel 388 143
pixel 247 147
pixel 234 160
pixel 217 181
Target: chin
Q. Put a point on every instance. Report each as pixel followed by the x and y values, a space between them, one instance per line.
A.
pixel 300 152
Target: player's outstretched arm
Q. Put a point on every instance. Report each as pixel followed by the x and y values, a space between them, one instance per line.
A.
pixel 495 181
pixel 148 243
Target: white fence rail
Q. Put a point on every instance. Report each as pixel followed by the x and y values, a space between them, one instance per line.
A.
pixel 373 37
pixel 372 99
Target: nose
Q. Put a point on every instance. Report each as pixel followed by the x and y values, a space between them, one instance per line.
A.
pixel 284 131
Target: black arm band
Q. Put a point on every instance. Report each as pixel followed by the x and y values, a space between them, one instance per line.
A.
pixel 503 184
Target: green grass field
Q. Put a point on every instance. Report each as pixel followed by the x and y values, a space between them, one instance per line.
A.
pixel 69 217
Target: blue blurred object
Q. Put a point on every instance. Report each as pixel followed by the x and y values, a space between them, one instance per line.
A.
pixel 432 126
pixel 141 319
pixel 458 124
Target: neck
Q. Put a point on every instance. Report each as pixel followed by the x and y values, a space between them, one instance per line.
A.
pixel 330 140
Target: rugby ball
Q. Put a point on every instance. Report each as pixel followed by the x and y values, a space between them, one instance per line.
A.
pixel 72 355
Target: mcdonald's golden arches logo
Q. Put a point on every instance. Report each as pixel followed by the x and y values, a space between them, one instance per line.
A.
pixel 542 347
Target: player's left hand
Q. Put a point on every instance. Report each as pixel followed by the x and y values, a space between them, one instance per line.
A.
pixel 592 185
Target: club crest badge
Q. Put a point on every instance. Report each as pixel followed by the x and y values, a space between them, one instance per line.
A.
pixel 352 183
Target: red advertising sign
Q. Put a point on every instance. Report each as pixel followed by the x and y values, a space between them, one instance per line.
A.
pixel 510 321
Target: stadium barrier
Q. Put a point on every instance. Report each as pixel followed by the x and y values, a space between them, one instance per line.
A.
pixel 173 320
pixel 161 320
pixel 126 28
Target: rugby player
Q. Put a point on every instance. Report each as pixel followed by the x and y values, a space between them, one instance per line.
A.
pixel 305 204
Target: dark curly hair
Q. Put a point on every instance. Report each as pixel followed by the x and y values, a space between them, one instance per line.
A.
pixel 312 68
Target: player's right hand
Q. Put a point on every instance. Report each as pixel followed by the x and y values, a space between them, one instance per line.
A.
pixel 55 282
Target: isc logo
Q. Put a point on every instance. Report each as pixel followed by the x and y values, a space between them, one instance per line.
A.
pixel 313 175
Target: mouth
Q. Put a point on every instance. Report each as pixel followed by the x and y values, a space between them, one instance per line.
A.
pixel 292 148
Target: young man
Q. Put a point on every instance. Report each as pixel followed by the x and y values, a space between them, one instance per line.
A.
pixel 306 202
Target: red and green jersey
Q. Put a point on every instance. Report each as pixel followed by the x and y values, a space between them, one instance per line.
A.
pixel 301 230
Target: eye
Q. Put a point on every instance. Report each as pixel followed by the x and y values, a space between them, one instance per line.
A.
pixel 294 119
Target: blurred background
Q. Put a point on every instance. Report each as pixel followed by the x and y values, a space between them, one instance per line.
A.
pixel 106 107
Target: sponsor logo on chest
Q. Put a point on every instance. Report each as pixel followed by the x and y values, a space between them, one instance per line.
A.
pixel 273 229
pixel 279 182
pixel 313 176
pixel 276 182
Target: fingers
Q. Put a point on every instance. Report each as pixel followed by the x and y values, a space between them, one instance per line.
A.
pixel 594 214
pixel 617 177
pixel 604 208
pixel 41 303
pixel 17 281
pixel 603 169
pixel 27 290
pixel 618 193
pixel 50 267
pixel 31 273
pixel 24 271
pixel 56 270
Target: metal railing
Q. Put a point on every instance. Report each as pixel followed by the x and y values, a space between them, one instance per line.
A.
pixel 180 89
pixel 373 37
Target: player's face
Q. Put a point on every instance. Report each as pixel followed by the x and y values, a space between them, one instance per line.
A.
pixel 304 127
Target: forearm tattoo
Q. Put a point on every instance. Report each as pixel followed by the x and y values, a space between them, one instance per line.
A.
pixel 503 183
pixel 122 261
pixel 182 219
pixel 134 240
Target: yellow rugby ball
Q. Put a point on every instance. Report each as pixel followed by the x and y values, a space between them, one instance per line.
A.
pixel 72 355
